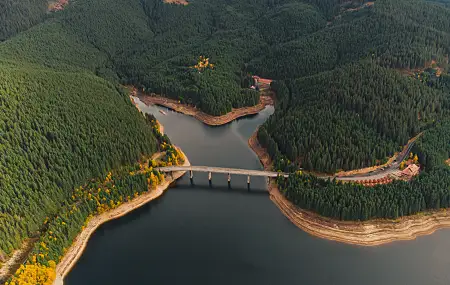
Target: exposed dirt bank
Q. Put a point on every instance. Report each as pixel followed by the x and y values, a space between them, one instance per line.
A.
pixel 161 127
pixel 17 258
pixel 178 2
pixel 205 118
pixel 76 249
pixel 369 233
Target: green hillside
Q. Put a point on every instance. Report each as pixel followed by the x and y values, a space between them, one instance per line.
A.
pixel 58 129
pixel 348 201
pixel 349 117
pixel 16 16
pixel 143 43
pixel 397 34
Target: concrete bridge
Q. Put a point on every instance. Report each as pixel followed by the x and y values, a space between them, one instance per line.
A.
pixel 210 170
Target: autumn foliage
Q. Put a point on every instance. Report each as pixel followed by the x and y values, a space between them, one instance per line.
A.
pixel 202 64
pixel 171 156
pixel 34 273
pixel 94 198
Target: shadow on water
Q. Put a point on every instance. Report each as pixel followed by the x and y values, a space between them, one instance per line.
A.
pixel 229 189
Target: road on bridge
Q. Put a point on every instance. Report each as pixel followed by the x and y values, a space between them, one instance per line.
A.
pixel 376 174
pixel 236 171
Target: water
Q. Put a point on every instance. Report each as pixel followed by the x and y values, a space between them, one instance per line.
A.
pixel 195 234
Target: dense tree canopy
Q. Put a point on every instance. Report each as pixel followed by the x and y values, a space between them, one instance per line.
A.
pixel 57 130
pixel 429 191
pixel 16 16
pixel 153 45
pixel 401 34
pixel 349 117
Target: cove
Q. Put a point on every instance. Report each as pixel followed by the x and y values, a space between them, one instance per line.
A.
pixel 196 234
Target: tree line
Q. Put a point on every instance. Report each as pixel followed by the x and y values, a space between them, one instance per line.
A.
pixel 58 130
pixel 348 118
pixel 98 196
pixel 348 201
pixel 17 16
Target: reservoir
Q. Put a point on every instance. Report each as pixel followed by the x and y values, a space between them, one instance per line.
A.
pixel 198 234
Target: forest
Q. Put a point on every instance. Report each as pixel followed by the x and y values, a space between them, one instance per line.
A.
pixel 397 34
pixel 350 117
pixel 55 135
pixel 342 101
pixel 141 42
pixel 97 196
pixel 17 16
pixel 348 201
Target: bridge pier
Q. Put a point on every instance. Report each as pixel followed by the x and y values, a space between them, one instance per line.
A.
pixel 169 170
pixel 191 176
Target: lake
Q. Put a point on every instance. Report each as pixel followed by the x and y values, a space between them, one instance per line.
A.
pixel 202 234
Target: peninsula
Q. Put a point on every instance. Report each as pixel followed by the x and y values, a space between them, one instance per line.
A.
pixel 208 119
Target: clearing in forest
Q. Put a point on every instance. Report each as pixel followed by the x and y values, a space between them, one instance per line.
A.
pixel 431 67
pixel 57 5
pixel 178 2
pixel 368 4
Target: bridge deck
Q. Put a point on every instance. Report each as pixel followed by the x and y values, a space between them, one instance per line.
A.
pixel 223 170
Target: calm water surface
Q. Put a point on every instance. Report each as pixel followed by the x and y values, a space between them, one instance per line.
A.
pixel 195 234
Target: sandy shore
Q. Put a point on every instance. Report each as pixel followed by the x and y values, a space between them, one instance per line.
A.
pixel 76 249
pixel 203 117
pixel 368 233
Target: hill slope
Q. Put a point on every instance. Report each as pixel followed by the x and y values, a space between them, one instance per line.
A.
pixel 16 16
pixel 58 129
pixel 349 117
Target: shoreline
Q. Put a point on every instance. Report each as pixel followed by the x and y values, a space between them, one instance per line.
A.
pixel 367 233
pixel 207 119
pixel 77 248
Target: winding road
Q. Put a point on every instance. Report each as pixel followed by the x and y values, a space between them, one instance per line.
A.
pixel 223 170
pixel 375 174
pixel 385 171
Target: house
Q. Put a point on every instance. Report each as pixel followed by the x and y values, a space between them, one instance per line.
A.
pixel 411 170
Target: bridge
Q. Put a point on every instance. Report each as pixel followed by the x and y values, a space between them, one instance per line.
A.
pixel 223 170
